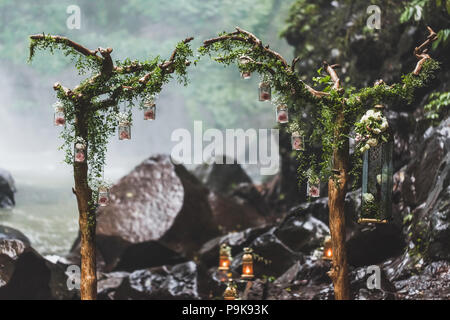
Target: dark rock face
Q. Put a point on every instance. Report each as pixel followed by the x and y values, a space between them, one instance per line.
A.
pixel 25 274
pixel 302 232
pixel 423 194
pixel 7 190
pixel 108 283
pixel 372 244
pixel 147 255
pixel 222 178
pixel 163 283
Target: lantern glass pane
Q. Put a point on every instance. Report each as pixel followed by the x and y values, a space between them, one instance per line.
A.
pixel 377 183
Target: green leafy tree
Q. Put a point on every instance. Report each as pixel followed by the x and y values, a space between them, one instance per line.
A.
pixel 331 112
pixel 91 112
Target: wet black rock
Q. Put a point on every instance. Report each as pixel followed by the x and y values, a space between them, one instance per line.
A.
pixel 7 190
pixel 25 274
pixel 177 282
pixel 300 231
pixel 222 178
pixel 372 244
pixel 108 283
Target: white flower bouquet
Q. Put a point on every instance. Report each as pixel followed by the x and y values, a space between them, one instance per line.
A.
pixel 371 130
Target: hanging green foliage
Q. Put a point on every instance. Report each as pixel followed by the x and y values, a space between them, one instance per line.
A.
pixel 92 109
pixel 323 108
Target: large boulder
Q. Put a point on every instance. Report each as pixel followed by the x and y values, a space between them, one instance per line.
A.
pixel 163 210
pixel 156 202
pixel 7 190
pixel 25 274
pixel 177 282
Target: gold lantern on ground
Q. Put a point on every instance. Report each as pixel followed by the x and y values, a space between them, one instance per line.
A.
pixel 327 250
pixel 247 264
pixel 230 292
pixel 224 257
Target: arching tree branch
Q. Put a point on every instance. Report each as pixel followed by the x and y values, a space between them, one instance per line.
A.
pixel 66 41
pixel 421 51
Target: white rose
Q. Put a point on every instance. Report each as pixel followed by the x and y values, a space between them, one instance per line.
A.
pixel 372 142
pixel 384 125
pixel 368 197
pixel 364 148
pixel 377 131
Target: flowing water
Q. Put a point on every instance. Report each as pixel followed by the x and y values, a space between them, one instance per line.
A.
pixel 45 212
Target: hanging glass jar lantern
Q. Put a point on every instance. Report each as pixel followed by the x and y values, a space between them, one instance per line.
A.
pixel 103 196
pixel 150 108
pixel 327 250
pixel 247 264
pixel 80 151
pixel 297 141
pixel 224 257
pixel 124 130
pixel 59 116
pixel 245 74
pixel 377 183
pixel 231 291
pixel 265 91
pixel 313 187
pixel 377 175
pixel 282 113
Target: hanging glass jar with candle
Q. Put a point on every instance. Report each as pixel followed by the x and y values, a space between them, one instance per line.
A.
pixel 80 150
pixel 59 118
pixel 124 130
pixel 327 249
pixel 377 173
pixel 243 61
pixel 265 91
pixel 149 108
pixel 224 257
pixel 103 195
pixel 247 264
pixel 297 141
pixel 282 113
pixel 313 187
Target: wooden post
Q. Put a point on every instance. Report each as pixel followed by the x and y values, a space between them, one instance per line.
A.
pixel 87 218
pixel 336 204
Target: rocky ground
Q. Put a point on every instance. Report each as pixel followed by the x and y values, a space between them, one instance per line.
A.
pixel 160 236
